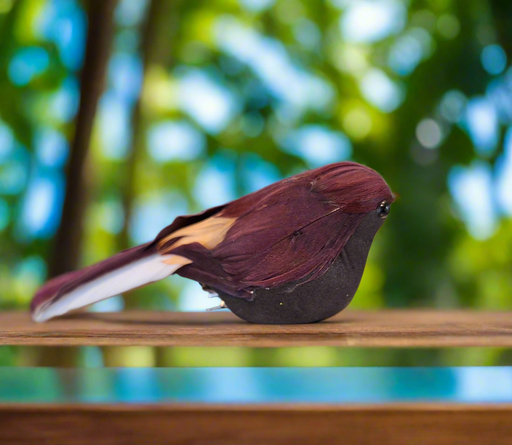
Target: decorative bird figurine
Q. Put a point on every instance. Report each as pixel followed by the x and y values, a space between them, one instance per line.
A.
pixel 292 252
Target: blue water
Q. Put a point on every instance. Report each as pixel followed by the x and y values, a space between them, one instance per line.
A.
pixel 257 385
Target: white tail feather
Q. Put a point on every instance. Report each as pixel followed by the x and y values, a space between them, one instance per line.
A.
pixel 133 275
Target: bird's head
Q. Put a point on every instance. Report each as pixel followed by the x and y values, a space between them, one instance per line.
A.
pixel 353 187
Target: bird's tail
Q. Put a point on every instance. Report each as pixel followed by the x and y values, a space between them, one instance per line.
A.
pixel 127 270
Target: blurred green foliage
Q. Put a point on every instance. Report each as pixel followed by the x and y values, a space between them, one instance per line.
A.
pixel 248 118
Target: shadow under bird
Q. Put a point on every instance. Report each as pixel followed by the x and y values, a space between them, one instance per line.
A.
pixel 292 252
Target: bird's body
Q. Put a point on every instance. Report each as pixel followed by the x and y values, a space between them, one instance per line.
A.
pixel 289 232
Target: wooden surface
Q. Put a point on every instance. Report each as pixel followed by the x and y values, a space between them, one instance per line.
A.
pixel 236 425
pixel 392 328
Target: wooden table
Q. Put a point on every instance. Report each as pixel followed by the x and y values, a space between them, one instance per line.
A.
pixel 388 328
pixel 268 425
pixel 185 423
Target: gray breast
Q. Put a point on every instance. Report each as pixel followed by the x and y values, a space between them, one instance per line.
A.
pixel 296 303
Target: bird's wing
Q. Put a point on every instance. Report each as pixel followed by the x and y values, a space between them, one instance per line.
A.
pixel 294 236
pixel 284 233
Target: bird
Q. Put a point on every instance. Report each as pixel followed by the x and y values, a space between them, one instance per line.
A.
pixel 263 247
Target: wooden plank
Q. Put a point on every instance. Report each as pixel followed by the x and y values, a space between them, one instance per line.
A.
pixel 269 425
pixel 387 328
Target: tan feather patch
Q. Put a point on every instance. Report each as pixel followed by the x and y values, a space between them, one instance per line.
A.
pixel 209 233
pixel 177 260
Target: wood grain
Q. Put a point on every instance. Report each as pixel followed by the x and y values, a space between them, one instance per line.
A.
pixel 388 328
pixel 269 425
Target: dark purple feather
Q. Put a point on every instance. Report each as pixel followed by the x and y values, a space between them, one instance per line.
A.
pixel 291 230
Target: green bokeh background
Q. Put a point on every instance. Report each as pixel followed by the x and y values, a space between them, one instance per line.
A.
pixel 426 255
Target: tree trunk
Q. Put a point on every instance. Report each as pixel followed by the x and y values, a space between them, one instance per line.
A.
pixel 502 11
pixel 155 47
pixel 68 240
pixel 149 34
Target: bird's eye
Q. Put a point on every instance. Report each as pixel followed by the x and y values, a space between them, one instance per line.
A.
pixel 383 209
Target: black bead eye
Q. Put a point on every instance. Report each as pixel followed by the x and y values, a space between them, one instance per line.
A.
pixel 383 209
